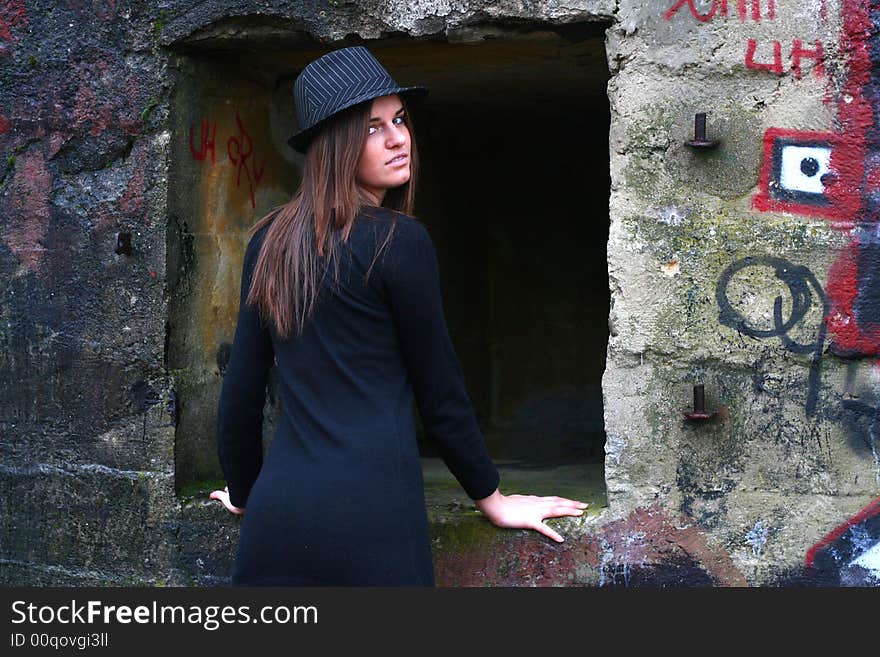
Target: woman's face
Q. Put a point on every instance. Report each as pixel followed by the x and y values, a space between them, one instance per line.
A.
pixel 384 163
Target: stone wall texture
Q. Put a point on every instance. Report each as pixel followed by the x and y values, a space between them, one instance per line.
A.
pixel 747 266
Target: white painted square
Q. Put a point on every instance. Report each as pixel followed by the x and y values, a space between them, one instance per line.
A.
pixel 795 159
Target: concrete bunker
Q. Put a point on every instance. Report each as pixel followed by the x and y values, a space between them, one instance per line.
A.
pixel 514 189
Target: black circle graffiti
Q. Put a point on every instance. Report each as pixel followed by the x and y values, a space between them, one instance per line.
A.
pixel 809 166
pixel 799 280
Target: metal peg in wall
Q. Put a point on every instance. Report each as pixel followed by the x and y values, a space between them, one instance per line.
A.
pixel 699 140
pixel 123 243
pixel 699 412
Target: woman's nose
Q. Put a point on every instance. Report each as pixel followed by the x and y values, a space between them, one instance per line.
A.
pixel 397 135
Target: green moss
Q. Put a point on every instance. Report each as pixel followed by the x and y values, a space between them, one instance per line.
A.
pixel 200 488
pixel 463 534
pixel 187 378
pixel 10 161
pixel 158 24
pixel 148 109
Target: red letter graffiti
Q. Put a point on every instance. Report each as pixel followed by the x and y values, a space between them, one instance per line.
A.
pixel 817 55
pixel 208 135
pixel 742 10
pixel 244 148
pixel 776 66
pixel 5 125
pixel 703 18
pixel 719 8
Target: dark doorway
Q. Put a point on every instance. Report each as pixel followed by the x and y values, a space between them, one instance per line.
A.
pixel 514 189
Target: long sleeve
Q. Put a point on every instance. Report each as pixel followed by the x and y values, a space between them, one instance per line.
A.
pixel 412 281
pixel 240 409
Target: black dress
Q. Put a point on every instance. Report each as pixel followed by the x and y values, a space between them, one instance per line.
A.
pixel 339 500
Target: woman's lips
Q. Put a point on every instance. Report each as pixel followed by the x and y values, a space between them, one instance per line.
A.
pixel 399 160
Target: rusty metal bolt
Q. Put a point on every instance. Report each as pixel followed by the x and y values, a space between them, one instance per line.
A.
pixel 699 140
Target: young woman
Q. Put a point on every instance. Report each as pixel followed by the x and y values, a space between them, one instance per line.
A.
pixel 340 290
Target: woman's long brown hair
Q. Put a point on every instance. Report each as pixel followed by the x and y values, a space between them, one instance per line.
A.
pixel 285 281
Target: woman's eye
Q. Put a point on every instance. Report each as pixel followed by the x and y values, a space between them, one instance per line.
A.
pixel 401 120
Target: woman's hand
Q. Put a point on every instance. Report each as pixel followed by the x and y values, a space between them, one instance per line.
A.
pixel 223 496
pixel 528 511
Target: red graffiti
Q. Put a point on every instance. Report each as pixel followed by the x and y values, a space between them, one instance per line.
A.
pixel 842 289
pixel 775 66
pixel 798 52
pixel 719 8
pixel 817 54
pixel 850 162
pixel 703 18
pixel 871 510
pixel 207 142
pixel 5 125
pixel 12 14
pixel 849 182
pixel 239 151
pixel 834 202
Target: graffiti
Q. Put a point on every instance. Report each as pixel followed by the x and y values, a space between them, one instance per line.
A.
pixel 239 150
pixel 5 125
pixel 755 10
pixel 834 175
pixel 775 66
pixel 797 54
pixel 796 175
pixel 12 14
pixel 850 552
pixel 239 155
pixel 650 547
pixel 799 280
pixel 207 141
pixel 817 54
pixel 862 411
pixel 745 9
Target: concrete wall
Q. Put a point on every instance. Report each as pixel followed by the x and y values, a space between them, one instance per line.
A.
pixel 732 267
pixel 135 116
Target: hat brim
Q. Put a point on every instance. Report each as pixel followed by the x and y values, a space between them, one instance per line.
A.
pixel 300 141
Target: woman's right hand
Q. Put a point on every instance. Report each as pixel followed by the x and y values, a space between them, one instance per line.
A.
pixel 223 496
pixel 528 511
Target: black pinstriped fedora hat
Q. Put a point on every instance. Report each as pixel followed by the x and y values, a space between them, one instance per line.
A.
pixel 336 81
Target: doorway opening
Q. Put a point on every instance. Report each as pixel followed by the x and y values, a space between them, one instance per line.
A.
pixel 514 188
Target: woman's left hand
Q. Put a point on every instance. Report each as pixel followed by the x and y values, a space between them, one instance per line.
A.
pixel 223 496
pixel 528 511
